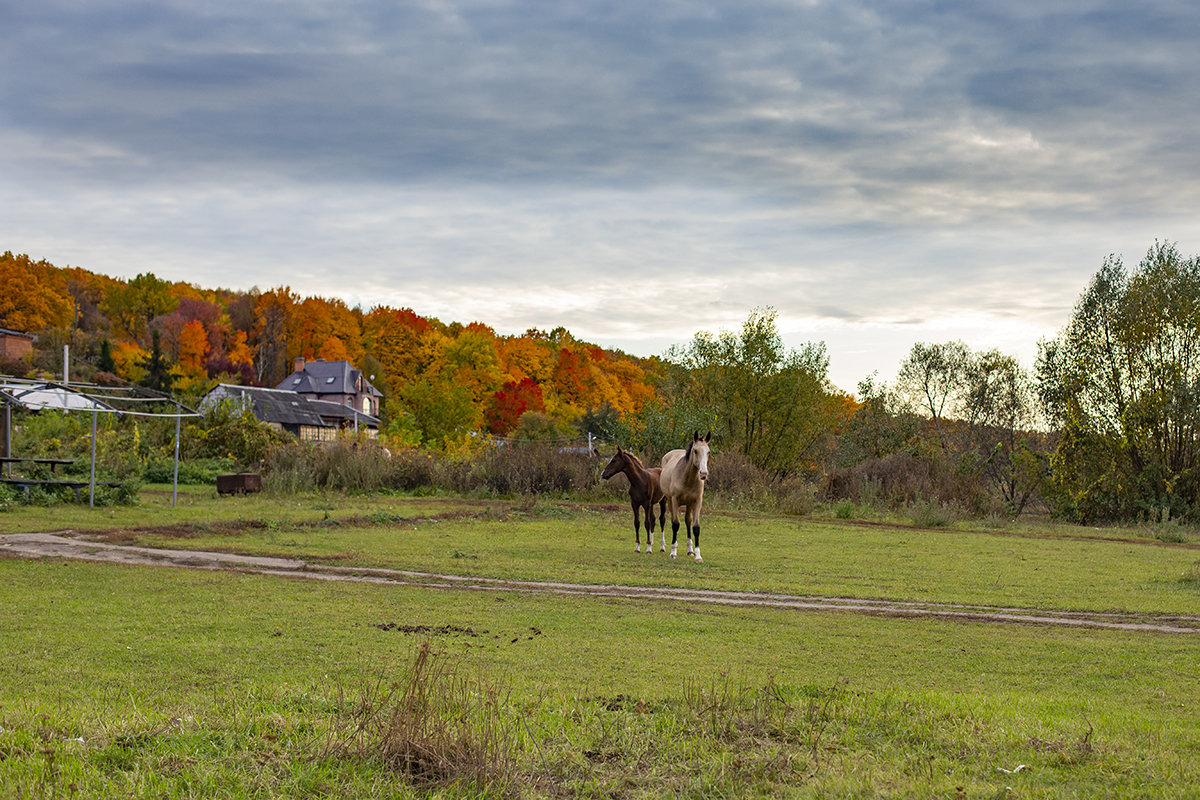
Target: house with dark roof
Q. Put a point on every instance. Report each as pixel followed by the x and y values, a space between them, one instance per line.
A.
pixel 14 345
pixel 308 420
pixel 333 382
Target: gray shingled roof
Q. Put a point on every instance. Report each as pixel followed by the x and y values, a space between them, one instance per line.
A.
pixel 288 408
pixel 327 377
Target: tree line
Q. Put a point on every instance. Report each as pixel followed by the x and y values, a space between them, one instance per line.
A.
pixel 442 382
pixel 1104 426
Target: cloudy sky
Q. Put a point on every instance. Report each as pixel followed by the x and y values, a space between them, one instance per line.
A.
pixel 880 173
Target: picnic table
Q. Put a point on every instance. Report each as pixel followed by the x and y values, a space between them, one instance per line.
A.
pixel 29 483
pixel 51 462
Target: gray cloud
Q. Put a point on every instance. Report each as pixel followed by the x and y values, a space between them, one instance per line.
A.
pixel 853 164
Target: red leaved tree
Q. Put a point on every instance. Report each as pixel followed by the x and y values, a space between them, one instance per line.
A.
pixel 513 400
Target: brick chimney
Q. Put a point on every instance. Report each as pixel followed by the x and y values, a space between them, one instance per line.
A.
pixel 298 364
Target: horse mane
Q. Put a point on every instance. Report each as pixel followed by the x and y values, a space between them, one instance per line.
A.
pixel 634 459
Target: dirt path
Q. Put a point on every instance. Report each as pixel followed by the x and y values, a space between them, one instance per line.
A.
pixel 52 545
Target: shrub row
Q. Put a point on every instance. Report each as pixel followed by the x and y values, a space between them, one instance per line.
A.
pixel 354 466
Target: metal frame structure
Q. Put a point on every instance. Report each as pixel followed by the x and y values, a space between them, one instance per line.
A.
pixel 47 395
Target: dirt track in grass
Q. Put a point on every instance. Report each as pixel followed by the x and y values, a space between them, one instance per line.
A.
pixel 65 545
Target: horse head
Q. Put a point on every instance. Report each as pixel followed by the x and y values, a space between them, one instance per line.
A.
pixel 615 464
pixel 697 454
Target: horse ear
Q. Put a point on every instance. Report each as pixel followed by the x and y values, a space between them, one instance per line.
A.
pixel 618 449
pixel 707 436
pixel 696 436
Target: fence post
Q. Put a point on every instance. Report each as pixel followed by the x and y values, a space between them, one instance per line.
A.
pixel 175 484
pixel 92 480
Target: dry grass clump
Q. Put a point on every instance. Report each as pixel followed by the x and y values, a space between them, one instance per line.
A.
pixel 433 725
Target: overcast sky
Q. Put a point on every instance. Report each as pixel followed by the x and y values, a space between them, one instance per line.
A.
pixel 879 173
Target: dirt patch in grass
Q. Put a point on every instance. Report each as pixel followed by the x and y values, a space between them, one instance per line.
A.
pixel 41 545
pixel 429 630
pixel 129 536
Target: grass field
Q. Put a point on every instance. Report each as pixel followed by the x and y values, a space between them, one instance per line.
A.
pixel 127 681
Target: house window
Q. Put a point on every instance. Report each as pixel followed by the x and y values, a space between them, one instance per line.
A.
pixel 330 379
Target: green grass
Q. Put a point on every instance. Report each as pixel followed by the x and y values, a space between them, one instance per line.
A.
pixel 1064 569
pixel 126 681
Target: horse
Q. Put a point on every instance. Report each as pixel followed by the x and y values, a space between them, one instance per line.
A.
pixel 644 493
pixel 683 475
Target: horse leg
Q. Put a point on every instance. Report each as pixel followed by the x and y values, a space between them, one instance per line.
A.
pixel 687 524
pixel 662 522
pixel 696 526
pixel 649 527
pixel 637 529
pixel 674 527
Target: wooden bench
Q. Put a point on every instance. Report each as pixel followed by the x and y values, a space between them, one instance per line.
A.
pixel 29 483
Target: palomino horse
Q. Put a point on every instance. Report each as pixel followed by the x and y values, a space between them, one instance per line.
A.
pixel 683 475
pixel 644 493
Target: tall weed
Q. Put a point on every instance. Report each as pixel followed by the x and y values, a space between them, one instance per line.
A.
pixel 432 724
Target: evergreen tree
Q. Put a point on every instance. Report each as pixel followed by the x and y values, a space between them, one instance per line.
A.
pixel 158 371
pixel 105 363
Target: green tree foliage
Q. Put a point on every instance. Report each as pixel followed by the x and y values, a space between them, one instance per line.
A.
pixel 932 379
pixel 773 404
pixel 132 305
pixel 997 404
pixel 877 428
pixel 229 429
pixel 442 410
pixel 104 362
pixel 1122 383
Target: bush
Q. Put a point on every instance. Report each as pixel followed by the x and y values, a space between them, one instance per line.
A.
pixel 931 514
pixel 193 472
pixel 532 469
pixel 901 480
pixel 230 430
pixel 355 465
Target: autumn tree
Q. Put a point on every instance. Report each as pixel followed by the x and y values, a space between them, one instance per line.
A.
pixel 395 337
pixel 273 318
pixel 328 329
pixel 193 348
pixel 572 378
pixel 512 400
pixel 35 295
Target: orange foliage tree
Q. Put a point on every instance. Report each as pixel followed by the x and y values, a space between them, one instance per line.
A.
pixel 35 295
pixel 274 320
pixel 193 347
